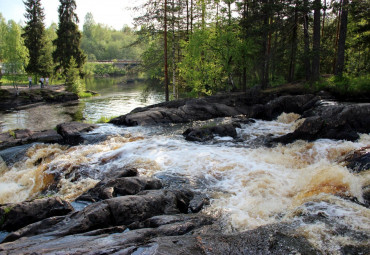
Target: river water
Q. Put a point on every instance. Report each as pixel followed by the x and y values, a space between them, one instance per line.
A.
pixel 248 184
pixel 116 98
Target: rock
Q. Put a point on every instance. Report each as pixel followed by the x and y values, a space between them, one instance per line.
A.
pixel 16 216
pixel 107 240
pixel 342 122
pixel 202 134
pixel 46 136
pixel 120 187
pixel 9 100
pixel 198 202
pixel 358 160
pixel 71 131
pixel 251 105
pixel 26 136
pixel 118 211
pixel 14 154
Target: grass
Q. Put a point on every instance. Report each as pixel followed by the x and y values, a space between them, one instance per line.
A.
pixel 104 119
pixel 346 85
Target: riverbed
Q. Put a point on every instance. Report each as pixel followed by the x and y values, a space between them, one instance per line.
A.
pixel 248 184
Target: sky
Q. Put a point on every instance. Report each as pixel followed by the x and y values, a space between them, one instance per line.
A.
pixel 114 13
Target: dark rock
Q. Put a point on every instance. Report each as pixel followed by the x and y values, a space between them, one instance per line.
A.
pixel 119 173
pixel 16 216
pixel 198 202
pixel 333 122
pixel 358 160
pixel 251 105
pixel 14 154
pixel 46 136
pixel 117 211
pixel 202 134
pixel 26 136
pixel 71 131
pixel 120 187
pixel 9 100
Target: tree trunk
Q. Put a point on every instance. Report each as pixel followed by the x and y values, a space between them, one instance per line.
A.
pixel 337 36
pixel 342 40
pixel 165 53
pixel 294 45
pixel 306 57
pixel 173 51
pixel 265 47
pixel 316 41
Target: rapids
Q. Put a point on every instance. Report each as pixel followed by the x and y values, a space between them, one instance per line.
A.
pixel 249 185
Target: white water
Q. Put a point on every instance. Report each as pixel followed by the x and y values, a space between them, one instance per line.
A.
pixel 249 185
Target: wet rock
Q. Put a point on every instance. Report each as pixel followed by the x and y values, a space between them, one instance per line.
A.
pixel 121 172
pixel 14 154
pixel 358 160
pixel 120 187
pixel 9 99
pixel 25 136
pixel 342 122
pixel 71 131
pixel 119 211
pixel 202 134
pixel 198 202
pixel 16 216
pixel 108 240
pixel 249 104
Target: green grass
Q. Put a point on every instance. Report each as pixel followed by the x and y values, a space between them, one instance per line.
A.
pixel 346 85
pixel 104 119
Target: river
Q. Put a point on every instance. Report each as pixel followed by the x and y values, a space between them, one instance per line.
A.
pixel 248 184
pixel 115 98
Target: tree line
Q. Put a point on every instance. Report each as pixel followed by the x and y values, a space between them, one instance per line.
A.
pixel 206 46
pixel 56 50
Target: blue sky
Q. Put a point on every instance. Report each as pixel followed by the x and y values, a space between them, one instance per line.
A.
pixel 113 13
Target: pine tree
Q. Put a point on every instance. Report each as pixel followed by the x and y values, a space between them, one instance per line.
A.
pixel 69 37
pixel 35 40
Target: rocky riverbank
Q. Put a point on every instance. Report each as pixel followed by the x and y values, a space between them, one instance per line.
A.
pixel 125 213
pixel 10 98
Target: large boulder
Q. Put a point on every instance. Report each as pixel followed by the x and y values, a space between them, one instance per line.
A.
pixel 118 211
pixel 120 187
pixel 15 216
pixel 342 122
pixel 249 104
pixel 72 131
pixel 25 136
pixel 201 134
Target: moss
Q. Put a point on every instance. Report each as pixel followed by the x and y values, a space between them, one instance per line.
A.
pixel 4 216
pixel 12 133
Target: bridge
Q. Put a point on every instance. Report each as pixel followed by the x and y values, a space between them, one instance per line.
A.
pixel 119 62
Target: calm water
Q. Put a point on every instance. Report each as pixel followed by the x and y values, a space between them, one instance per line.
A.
pixel 116 98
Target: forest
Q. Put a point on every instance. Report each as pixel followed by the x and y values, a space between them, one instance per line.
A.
pixel 202 47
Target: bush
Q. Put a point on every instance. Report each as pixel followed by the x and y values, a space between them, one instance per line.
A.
pixel 73 81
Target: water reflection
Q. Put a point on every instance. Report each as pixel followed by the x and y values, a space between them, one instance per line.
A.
pixel 116 98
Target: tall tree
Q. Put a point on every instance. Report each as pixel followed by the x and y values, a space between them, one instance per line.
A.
pixel 35 39
pixel 69 37
pixel 15 54
pixel 316 41
pixel 165 53
pixel 342 39
pixel 306 54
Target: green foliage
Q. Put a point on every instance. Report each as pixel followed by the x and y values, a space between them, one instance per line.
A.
pixel 105 119
pixel 68 40
pixel 345 85
pixel 40 59
pixel 73 81
pixel 100 42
